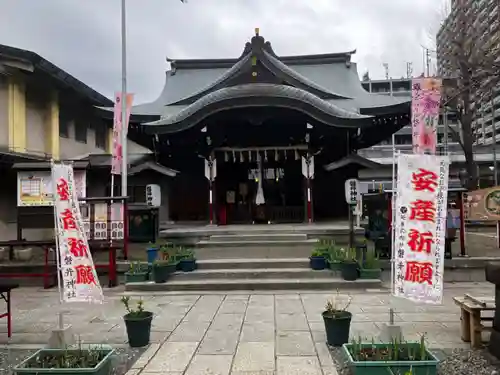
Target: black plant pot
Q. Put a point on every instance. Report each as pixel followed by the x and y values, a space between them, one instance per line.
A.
pixel 178 266
pixel 337 327
pixel 317 263
pixel 349 270
pixel 188 265
pixel 138 328
pixel 162 272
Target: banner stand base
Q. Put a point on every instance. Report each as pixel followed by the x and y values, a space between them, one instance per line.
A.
pixel 61 338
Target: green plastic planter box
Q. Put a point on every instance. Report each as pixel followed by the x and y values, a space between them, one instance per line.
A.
pixel 371 274
pixel 334 265
pixel 102 368
pixel 428 367
pixel 136 277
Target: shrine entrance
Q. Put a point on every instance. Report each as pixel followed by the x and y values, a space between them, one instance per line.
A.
pixel 260 189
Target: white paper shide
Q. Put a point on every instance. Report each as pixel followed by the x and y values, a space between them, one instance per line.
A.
pixel 78 280
pixel 420 227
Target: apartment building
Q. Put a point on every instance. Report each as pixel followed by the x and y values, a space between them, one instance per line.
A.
pixel 46 113
pixel 478 21
pixel 383 154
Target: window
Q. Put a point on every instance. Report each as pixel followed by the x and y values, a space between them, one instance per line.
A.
pixel 80 131
pixel 101 136
pixel 64 122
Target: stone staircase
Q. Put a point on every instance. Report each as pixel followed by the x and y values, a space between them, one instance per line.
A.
pixel 254 274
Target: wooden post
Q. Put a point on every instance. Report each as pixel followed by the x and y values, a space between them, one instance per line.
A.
pixel 462 224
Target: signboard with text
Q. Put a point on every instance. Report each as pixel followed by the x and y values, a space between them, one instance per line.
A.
pixel 420 227
pixel 34 188
pixel 79 281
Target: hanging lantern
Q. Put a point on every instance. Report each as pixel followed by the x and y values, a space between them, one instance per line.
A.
pixel 297 156
pixel 284 151
pixel 265 156
pixel 234 157
pixel 276 155
pixel 249 155
pixel 242 158
pixel 226 156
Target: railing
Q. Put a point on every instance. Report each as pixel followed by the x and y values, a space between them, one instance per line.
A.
pixel 287 214
pixel 265 213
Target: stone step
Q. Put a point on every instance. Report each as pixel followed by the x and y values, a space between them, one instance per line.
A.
pixel 255 263
pixel 256 243
pixel 330 284
pixel 265 237
pixel 253 274
pixel 254 252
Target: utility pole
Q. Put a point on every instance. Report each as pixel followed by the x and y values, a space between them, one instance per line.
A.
pixel 124 102
pixel 409 70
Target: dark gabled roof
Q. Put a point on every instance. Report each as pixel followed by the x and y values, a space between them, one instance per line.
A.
pixel 64 78
pixel 258 95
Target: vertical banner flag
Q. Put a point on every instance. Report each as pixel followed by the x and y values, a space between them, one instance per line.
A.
pixel 420 225
pixel 116 161
pixel 78 278
pixel 425 104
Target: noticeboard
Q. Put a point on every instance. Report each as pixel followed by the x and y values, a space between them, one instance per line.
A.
pixel 35 188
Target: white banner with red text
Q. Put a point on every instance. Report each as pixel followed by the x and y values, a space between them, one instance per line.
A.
pixel 78 276
pixel 420 227
pixel 116 158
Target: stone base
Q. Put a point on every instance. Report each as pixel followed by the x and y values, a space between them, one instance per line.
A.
pixel 391 332
pixel 61 338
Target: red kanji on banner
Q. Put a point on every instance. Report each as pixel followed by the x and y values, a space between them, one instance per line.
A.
pixel 424 180
pixel 68 219
pixel 419 272
pixel 63 189
pixel 77 247
pixel 84 275
pixel 420 241
pixel 423 210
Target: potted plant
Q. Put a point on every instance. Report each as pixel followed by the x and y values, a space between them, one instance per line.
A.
pixel 371 266
pixel 337 321
pixel 188 261
pixel 138 323
pixel 396 357
pixel 91 360
pixel 317 260
pixel 349 266
pixel 162 268
pixel 136 273
pixel 24 254
pixel 336 255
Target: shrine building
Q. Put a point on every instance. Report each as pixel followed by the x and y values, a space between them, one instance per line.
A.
pixel 252 136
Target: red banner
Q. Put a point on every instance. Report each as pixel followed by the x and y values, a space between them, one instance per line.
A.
pixel 116 160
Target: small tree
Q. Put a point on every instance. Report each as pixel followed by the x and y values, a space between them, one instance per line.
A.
pixel 473 74
pixel 366 76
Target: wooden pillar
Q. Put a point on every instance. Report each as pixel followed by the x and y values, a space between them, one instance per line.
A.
pixel 17 114
pixel 52 146
pixel 210 174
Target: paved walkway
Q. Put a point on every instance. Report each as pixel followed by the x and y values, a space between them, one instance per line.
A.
pixel 237 334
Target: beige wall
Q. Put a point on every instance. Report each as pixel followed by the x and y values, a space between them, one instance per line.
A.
pixel 4 117
pixel 36 107
pixel 70 147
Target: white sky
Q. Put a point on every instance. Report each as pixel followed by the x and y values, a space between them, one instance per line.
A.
pixel 83 36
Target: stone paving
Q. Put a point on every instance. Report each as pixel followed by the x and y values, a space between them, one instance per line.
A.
pixel 238 334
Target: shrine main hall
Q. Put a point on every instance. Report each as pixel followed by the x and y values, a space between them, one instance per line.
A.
pixel 251 137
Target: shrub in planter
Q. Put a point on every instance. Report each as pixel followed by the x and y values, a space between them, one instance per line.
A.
pixel 137 273
pixel 188 261
pixel 349 266
pixel 335 256
pixel 92 360
pixel 396 357
pixel 371 266
pixel 164 267
pixel 138 323
pixel 337 321
pixel 317 260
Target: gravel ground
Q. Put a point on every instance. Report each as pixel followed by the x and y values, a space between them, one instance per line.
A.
pixel 123 360
pixel 453 362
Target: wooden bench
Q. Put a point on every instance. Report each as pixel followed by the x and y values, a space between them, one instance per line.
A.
pixel 5 289
pixel 471 319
